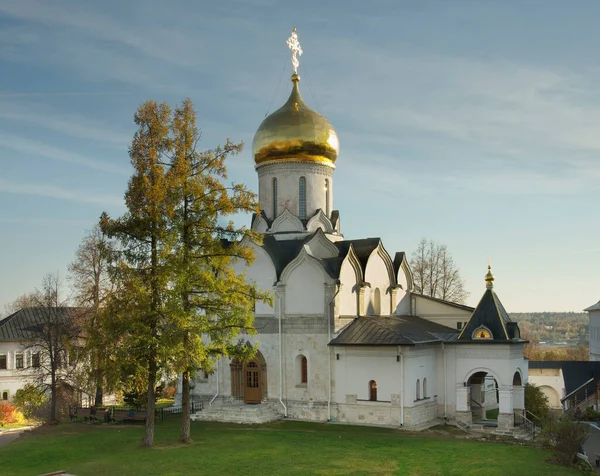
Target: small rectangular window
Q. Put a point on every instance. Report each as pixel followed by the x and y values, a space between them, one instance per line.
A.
pixel 19 361
pixel 459 325
pixel 35 360
pixel 3 361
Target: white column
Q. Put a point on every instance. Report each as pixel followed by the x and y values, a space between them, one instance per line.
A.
pixel 506 418
pixel 463 398
pixel 518 397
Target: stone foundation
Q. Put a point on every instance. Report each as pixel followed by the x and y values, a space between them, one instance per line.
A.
pixel 506 421
pixel 464 418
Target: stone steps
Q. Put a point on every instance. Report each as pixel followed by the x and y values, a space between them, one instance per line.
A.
pixel 239 413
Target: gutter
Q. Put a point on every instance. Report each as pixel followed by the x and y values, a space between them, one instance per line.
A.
pixel 329 324
pixel 285 412
pixel 216 394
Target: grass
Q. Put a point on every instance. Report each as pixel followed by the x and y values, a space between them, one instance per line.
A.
pixel 280 448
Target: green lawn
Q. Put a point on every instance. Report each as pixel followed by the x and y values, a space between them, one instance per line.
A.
pixel 285 448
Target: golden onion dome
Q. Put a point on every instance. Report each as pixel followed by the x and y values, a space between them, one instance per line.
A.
pixel 295 133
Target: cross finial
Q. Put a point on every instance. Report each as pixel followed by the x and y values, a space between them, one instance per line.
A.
pixel 294 45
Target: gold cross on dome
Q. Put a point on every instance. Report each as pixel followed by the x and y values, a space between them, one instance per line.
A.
pixel 294 45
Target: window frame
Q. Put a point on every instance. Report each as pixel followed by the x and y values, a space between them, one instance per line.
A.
pixel 302 198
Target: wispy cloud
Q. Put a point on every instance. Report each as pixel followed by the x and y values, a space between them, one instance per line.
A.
pixel 28 146
pixel 72 125
pixel 51 191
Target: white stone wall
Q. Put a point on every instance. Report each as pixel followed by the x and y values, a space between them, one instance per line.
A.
pixel 262 272
pixel 594 335
pixel 347 296
pixel 440 313
pixel 356 367
pixel 551 382
pixel 306 285
pixel 288 180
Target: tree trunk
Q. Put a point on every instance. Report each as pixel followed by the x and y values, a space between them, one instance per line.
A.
pixel 99 396
pixel 148 439
pixel 53 397
pixel 184 435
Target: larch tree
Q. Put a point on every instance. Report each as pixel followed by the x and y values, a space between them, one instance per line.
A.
pixel 92 285
pixel 212 303
pixel 144 236
pixel 436 274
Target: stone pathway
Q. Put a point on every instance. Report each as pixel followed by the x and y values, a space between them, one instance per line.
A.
pixel 592 446
pixel 9 436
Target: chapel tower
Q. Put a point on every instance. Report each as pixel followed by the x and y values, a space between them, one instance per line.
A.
pixel 295 150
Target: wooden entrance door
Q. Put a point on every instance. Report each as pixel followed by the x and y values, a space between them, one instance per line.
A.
pixel 252 382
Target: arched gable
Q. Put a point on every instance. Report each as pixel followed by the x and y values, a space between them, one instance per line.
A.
pixel 262 272
pixel 320 247
pixel 286 221
pixel 379 274
pixel 259 224
pixel 351 277
pixel 304 279
pixel 320 220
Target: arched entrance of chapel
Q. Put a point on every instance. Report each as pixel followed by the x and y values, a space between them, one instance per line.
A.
pixel 249 379
pixel 483 396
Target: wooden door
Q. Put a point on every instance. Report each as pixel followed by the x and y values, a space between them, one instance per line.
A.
pixel 252 382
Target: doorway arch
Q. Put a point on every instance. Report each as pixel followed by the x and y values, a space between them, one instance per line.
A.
pixel 249 379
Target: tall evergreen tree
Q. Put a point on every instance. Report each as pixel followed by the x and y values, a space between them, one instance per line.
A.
pixel 145 238
pixel 213 303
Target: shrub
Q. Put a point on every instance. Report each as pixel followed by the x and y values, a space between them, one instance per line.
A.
pixel 536 401
pixel 564 436
pixel 169 392
pixel 30 399
pixel 10 415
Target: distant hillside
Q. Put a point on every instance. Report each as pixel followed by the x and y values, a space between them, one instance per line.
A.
pixel 570 328
pixel 544 316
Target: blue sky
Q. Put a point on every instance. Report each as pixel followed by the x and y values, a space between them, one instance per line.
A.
pixel 473 123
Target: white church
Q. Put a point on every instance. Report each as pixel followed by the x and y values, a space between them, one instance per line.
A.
pixel 349 337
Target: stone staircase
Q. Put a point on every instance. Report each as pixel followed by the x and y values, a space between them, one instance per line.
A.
pixel 239 413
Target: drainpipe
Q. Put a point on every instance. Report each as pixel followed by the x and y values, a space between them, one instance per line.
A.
pixel 331 319
pixel 445 384
pixel 401 385
pixel 216 394
pixel 278 292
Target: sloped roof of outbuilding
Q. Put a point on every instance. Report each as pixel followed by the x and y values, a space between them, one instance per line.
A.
pixel 393 330
pixel 595 307
pixel 25 323
pixel 575 374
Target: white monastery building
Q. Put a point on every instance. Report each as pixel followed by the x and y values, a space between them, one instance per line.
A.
pixel 349 338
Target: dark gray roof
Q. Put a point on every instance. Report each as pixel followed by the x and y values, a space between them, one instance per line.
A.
pixel 25 323
pixel 490 313
pixel 399 257
pixel 283 252
pixel 393 330
pixel 363 249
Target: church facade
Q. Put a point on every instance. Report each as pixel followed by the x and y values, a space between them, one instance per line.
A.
pixel 349 337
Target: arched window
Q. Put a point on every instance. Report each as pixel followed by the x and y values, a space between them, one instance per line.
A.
pixel 377 302
pixel 4 395
pixel 373 391
pixel 327 197
pixel 425 388
pixel 302 197
pixel 274 198
pixel 418 389
pixel 303 370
